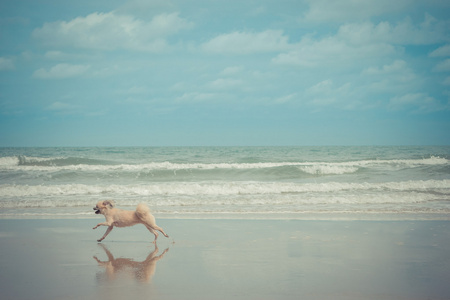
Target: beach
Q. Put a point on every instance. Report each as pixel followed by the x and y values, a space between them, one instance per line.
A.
pixel 226 259
pixel 244 223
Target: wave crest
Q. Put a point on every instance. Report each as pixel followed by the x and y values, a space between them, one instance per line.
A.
pixel 218 188
pixel 321 168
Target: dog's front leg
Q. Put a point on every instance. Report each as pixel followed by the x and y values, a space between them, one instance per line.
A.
pixel 101 224
pixel 106 233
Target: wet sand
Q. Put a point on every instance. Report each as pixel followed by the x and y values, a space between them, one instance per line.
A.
pixel 226 259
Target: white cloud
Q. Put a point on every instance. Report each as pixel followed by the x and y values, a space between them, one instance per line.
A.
pixel 225 83
pixel 247 42
pixel 356 43
pixel 321 87
pixel 393 74
pixel 197 97
pixel 331 51
pixel 441 51
pixel 403 33
pixel 286 98
pixel 345 10
pixel 138 90
pixel 58 106
pixel 63 108
pixel 229 71
pixel 57 55
pixel 396 78
pixel 61 71
pixel 6 64
pixel 396 66
pixel 326 93
pixel 446 81
pixel 443 66
pixel 109 31
pixel 417 102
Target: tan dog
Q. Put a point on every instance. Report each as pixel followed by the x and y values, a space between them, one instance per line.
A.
pixel 124 218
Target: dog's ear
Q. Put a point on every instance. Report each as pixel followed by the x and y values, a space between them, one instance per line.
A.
pixel 109 203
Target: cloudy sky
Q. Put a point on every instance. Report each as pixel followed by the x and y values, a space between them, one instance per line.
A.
pixel 208 72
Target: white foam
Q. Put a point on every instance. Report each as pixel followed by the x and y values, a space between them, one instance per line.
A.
pixel 11 163
pixel 14 162
pixel 33 159
pixel 216 188
pixel 329 169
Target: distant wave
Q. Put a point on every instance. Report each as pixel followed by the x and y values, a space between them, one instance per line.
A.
pixel 321 168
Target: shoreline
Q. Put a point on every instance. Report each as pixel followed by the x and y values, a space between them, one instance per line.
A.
pixel 307 216
pixel 226 259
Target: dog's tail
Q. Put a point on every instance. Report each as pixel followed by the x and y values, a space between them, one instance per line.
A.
pixel 143 213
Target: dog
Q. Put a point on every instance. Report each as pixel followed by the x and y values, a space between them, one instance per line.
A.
pixel 124 218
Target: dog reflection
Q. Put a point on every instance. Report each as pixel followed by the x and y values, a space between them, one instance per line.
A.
pixel 142 271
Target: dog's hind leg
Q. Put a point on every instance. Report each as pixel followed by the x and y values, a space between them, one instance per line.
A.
pixel 106 233
pixel 152 231
pixel 160 230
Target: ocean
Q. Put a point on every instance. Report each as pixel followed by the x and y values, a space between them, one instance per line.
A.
pixel 229 182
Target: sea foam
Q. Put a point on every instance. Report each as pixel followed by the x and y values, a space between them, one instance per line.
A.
pixel 52 164
pixel 218 188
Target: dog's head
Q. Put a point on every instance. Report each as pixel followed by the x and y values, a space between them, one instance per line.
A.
pixel 103 206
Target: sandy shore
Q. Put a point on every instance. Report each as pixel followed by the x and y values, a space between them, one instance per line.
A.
pixel 226 259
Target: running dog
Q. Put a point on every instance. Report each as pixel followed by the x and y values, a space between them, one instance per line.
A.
pixel 124 218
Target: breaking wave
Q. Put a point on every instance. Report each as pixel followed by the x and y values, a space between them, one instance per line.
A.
pixel 318 168
pixel 218 188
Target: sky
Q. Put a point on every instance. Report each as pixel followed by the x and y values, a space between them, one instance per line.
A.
pixel 224 73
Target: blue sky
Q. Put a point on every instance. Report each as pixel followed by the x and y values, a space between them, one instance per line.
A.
pixel 155 73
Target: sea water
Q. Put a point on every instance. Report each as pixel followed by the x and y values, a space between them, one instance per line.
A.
pixel 222 182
